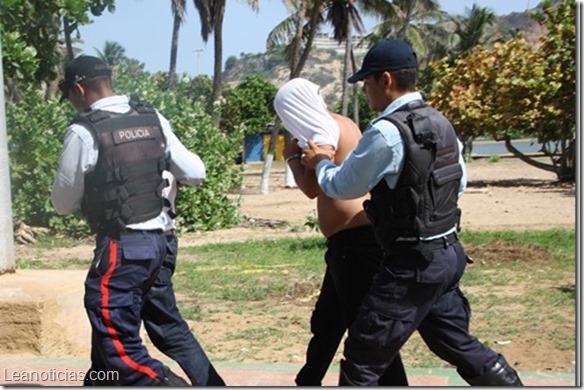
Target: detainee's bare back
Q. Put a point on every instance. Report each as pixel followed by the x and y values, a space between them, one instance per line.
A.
pixel 335 215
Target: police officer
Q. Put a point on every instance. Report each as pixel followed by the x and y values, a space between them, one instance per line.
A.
pixel 409 160
pixel 111 168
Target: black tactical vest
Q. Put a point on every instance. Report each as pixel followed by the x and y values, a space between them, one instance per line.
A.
pixel 126 184
pixel 424 202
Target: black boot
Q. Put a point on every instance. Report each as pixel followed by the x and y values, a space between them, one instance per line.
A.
pixel 170 379
pixel 343 380
pixel 499 374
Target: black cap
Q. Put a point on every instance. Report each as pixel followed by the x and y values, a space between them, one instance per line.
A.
pixel 80 69
pixel 387 54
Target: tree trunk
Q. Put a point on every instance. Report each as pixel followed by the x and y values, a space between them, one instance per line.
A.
pixel 355 91
pixel 313 27
pixel 467 145
pixel 289 176
pixel 265 182
pixel 527 159
pixel 297 47
pixel 173 51
pixel 347 64
pixel 67 34
pixel 403 31
pixel 218 65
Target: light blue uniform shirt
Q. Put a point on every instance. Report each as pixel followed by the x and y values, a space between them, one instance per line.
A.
pixel 379 155
pixel 79 157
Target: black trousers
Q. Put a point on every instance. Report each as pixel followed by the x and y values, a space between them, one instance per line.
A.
pixel 353 258
pixel 414 293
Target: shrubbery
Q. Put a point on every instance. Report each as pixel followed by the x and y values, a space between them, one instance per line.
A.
pixel 36 129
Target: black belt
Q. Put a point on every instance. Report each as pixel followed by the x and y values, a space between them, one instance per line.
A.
pixel 152 231
pixel 424 247
pixel 444 241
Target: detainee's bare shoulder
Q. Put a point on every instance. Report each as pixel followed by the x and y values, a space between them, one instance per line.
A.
pixel 349 136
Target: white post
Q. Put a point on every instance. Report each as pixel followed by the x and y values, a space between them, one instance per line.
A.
pixel 198 53
pixel 6 232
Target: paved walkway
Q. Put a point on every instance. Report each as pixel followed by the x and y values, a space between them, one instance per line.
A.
pixel 69 372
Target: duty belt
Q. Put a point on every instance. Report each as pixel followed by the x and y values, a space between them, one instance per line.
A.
pixel 424 247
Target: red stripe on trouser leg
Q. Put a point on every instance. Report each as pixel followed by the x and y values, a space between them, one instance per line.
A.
pixel 113 251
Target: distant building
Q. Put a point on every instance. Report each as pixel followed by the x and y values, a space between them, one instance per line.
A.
pixel 327 42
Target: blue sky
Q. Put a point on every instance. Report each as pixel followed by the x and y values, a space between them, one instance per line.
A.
pixel 144 29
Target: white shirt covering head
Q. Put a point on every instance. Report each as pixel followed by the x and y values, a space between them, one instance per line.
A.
pixel 304 113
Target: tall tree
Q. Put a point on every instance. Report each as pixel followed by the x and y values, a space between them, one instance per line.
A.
pixel 559 53
pixel 344 17
pixel 411 20
pixel 211 13
pixel 179 11
pixel 470 33
pixel 470 29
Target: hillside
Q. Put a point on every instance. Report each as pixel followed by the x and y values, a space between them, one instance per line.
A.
pixel 324 67
pixel 325 64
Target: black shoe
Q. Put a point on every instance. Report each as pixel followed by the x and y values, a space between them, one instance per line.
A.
pixel 500 374
pixel 169 379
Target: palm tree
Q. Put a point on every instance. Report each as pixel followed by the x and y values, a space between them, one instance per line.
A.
pixel 211 13
pixel 344 16
pixel 470 33
pixel 411 20
pixel 179 11
pixel 113 53
pixel 470 29
pixel 289 34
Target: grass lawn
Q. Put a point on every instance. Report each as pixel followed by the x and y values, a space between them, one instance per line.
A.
pixel 252 301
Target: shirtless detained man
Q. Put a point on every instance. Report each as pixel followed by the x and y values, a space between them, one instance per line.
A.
pixel 352 257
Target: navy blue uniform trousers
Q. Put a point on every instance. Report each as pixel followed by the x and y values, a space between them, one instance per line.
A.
pixel 123 270
pixel 168 330
pixel 352 260
pixel 130 281
pixel 412 293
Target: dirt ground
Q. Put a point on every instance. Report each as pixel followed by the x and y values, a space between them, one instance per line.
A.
pixel 508 194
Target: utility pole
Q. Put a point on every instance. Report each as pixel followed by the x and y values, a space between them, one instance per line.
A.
pixel 6 232
pixel 198 53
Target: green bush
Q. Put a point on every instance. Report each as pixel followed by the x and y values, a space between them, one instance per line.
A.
pixel 36 128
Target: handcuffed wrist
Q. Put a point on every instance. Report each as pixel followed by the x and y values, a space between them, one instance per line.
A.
pixel 294 157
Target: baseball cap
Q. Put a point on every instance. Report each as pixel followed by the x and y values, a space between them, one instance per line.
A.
pixel 387 54
pixel 80 69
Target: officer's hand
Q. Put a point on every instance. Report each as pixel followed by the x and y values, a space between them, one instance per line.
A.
pixel 317 153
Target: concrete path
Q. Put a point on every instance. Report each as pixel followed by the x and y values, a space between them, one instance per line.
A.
pixel 69 372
